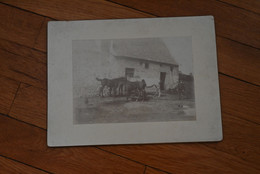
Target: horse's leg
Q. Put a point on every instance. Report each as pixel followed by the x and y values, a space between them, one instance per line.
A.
pixel 123 89
pixel 156 92
pixel 98 89
pixel 110 91
pixel 119 90
pixel 127 93
pixel 138 95
pixel 115 91
pixel 143 94
pixel 101 91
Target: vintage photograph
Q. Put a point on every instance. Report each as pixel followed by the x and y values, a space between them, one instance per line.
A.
pixel 133 80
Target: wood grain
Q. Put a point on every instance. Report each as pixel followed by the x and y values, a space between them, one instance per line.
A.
pixel 235 154
pixel 30 70
pixel 231 22
pixel 239 99
pixel 41 41
pixel 65 10
pixel 250 5
pixel 238 60
pixel 241 139
pixel 19 26
pixel 150 170
pixel 27 144
pixel 8 90
pixel 185 158
pixel 13 167
pixel 244 59
pixel 23 77
pixel 30 105
pixel 23 51
pixel 77 9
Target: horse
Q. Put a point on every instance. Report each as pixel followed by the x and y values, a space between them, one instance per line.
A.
pixel 119 84
pixel 113 85
pixel 105 83
pixel 137 87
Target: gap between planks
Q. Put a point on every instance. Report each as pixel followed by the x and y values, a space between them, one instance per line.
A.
pixel 97 147
pixel 25 164
pixel 127 158
pixel 239 79
pixel 76 146
pixel 26 10
pixel 14 97
pixel 111 153
pixel 238 7
pixel 149 13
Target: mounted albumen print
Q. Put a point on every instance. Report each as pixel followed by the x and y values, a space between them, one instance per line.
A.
pixel 132 81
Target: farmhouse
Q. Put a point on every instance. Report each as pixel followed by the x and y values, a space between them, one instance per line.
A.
pixel 147 59
pixel 136 59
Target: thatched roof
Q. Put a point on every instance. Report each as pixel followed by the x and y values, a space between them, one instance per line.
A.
pixel 151 49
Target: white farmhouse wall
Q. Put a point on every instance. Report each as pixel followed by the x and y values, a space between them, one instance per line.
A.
pixel 151 75
pixel 94 60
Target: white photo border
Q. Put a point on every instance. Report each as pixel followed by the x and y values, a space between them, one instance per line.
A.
pixel 62 131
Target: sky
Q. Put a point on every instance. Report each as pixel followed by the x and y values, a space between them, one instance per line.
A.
pixel 181 49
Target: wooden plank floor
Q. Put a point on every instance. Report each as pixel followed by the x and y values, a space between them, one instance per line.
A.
pixel 23 91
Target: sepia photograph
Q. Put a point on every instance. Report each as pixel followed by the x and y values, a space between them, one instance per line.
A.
pixel 133 80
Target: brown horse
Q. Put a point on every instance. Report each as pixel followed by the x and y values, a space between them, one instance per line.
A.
pixel 119 84
pixel 137 87
pixel 104 83
pixel 113 85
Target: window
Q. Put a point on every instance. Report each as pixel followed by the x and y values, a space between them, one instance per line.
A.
pixel 129 72
pixel 146 65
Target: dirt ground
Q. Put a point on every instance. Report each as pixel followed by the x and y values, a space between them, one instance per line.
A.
pixel 117 110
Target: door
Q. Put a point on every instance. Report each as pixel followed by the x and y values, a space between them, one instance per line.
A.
pixel 162 80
